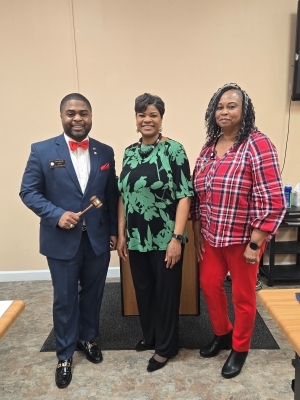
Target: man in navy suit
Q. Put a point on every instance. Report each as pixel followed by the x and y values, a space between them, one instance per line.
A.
pixel 61 176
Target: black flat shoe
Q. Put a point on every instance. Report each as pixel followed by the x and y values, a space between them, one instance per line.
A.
pixel 92 351
pixel 234 364
pixel 218 343
pixel 155 365
pixel 63 373
pixel 142 346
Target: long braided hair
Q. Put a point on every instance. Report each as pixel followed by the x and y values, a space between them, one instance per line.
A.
pixel 213 130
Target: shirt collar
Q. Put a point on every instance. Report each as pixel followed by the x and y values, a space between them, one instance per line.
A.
pixel 68 139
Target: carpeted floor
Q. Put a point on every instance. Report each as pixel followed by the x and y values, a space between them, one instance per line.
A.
pixel 122 333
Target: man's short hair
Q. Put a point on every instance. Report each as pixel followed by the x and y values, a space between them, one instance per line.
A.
pixel 74 96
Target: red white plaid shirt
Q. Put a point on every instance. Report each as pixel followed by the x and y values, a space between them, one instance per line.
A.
pixel 238 192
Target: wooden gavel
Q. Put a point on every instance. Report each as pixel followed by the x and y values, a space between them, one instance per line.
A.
pixel 95 203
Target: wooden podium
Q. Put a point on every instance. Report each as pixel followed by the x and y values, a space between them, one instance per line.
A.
pixel 189 302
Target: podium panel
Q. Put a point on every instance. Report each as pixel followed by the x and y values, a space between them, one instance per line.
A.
pixel 189 301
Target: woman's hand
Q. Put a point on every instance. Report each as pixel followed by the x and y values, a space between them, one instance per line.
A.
pixel 198 240
pixel 199 245
pixel 121 243
pixel 173 253
pixel 251 256
pixel 258 237
pixel 122 247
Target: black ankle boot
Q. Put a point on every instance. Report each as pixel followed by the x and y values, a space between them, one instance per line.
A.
pixel 218 343
pixel 234 364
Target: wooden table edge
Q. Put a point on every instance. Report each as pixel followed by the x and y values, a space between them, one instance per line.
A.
pixel 10 315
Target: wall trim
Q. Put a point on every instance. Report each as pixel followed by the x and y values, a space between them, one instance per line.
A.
pixel 42 275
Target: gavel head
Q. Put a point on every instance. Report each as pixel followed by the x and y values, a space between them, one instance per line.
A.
pixel 95 201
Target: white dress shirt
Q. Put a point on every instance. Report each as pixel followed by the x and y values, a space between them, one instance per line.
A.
pixel 81 163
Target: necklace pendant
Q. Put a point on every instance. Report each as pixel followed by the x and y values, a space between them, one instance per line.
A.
pixel 145 153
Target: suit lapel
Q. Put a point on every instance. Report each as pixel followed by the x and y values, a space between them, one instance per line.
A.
pixel 64 154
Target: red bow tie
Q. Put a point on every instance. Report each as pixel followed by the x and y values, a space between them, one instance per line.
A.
pixel 74 145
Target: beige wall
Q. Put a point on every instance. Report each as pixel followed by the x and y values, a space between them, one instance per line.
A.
pixel 113 50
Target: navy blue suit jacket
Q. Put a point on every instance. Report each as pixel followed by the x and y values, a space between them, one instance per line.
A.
pixel 50 191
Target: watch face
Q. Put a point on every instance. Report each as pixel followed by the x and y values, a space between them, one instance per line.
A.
pixel 178 237
pixel 254 246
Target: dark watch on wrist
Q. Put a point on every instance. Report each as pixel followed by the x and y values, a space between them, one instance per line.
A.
pixel 177 237
pixel 254 246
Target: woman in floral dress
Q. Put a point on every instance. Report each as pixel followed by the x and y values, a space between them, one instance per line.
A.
pixel 155 190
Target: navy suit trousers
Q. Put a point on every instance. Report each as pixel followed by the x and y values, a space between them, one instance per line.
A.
pixel 78 286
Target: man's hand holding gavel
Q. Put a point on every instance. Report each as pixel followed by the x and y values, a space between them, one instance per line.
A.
pixel 69 219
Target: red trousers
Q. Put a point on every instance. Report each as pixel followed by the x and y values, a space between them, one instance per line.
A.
pixel 216 263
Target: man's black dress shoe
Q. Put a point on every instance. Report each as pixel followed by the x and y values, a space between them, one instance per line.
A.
pixel 142 346
pixel 218 343
pixel 234 364
pixel 155 365
pixel 92 351
pixel 63 374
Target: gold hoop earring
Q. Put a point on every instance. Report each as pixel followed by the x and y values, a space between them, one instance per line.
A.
pixel 137 131
pixel 160 129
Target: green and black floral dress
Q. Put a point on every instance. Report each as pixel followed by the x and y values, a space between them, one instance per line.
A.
pixel 151 187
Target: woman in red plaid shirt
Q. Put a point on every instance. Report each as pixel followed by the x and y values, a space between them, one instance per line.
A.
pixel 238 204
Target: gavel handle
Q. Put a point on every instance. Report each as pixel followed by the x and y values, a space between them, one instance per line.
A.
pixel 87 209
